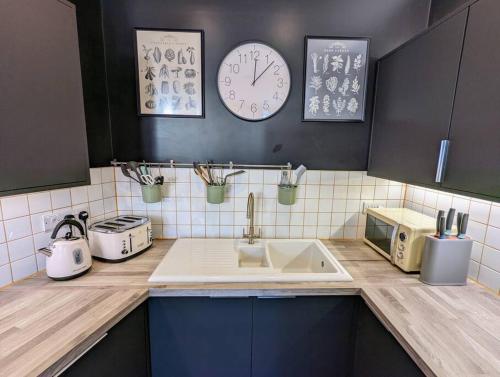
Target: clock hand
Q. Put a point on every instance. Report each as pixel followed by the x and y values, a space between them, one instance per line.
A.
pixel 254 71
pixel 264 71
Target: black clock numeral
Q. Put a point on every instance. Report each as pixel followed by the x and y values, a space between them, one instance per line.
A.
pixel 227 81
pixel 232 95
pixel 234 68
pixel 253 108
pixel 242 102
pixel 276 69
pixel 254 54
pixel 276 97
pixel 265 106
pixel 243 58
pixel 280 82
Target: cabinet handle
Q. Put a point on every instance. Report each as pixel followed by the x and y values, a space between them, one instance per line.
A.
pixel 442 159
pixel 67 366
pixel 275 297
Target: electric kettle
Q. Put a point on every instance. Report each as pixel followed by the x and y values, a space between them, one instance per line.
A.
pixel 67 257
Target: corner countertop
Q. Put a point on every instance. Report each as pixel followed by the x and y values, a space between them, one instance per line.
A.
pixel 448 331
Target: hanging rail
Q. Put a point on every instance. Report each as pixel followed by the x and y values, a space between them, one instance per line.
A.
pixel 230 165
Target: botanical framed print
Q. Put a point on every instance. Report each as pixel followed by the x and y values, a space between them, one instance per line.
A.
pixel 335 79
pixel 169 70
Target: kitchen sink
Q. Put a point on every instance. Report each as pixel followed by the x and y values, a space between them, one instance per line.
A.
pixel 299 257
pixel 252 256
pixel 229 260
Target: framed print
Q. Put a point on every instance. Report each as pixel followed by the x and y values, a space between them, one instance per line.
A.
pixel 169 70
pixel 335 79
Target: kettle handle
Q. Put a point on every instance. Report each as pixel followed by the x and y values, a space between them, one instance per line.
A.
pixel 67 222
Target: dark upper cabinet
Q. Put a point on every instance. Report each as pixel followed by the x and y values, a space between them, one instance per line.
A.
pixel 123 352
pixel 414 101
pixel 42 128
pixel 474 155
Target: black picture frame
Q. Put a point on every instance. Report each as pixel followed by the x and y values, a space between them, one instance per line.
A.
pixel 306 78
pixel 202 72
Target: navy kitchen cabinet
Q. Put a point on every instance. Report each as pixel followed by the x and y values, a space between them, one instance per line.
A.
pixel 303 336
pixel 279 336
pixel 123 352
pixel 474 156
pixel 376 351
pixel 43 142
pixel 201 336
pixel 414 102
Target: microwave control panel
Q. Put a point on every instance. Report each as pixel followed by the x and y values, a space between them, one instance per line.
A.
pixel 407 252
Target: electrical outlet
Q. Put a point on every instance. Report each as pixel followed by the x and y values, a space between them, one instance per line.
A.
pixel 50 222
pixel 367 205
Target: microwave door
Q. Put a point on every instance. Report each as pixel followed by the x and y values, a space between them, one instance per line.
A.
pixel 380 235
pixel 395 232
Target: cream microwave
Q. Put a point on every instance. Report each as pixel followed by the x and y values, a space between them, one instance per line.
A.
pixel 399 235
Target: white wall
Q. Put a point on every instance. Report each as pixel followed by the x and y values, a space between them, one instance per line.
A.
pixel 21 221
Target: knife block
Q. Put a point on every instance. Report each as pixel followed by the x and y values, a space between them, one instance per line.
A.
pixel 445 261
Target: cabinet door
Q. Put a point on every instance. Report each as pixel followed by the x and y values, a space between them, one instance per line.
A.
pixel 199 336
pixel 123 352
pixel 42 132
pixel 474 156
pixel 377 353
pixel 413 105
pixel 303 336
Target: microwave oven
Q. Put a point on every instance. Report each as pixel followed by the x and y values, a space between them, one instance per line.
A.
pixel 398 234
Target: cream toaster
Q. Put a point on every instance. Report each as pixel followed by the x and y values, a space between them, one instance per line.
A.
pixel 120 238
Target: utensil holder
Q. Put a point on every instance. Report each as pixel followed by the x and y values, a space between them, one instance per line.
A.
pixel 445 261
pixel 215 194
pixel 287 195
pixel 151 193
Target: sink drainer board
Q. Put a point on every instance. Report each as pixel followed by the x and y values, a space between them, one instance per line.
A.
pixel 196 260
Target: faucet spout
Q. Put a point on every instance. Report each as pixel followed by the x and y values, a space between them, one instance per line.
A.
pixel 251 235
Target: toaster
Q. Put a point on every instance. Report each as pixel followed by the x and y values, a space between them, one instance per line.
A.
pixel 120 238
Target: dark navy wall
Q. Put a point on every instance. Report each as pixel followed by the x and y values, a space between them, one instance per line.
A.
pixel 221 136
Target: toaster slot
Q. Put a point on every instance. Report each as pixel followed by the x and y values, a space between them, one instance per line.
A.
pixel 113 224
pixel 132 218
pixel 105 227
pixel 125 221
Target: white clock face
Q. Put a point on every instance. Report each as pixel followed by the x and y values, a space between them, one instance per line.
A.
pixel 253 81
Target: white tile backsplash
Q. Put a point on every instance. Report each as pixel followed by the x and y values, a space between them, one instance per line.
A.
pixel 484 228
pixel 21 226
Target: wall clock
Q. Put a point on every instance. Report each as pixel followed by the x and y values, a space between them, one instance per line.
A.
pixel 253 81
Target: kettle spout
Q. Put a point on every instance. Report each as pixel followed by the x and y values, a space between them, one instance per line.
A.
pixel 45 251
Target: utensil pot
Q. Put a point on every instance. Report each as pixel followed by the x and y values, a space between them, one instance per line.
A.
pixel 151 193
pixel 287 195
pixel 215 194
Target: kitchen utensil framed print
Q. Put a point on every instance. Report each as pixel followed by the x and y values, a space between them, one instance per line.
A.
pixel 335 79
pixel 170 72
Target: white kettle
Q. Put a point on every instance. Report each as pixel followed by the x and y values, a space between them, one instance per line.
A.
pixel 67 257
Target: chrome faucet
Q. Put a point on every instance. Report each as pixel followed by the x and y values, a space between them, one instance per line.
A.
pixel 251 235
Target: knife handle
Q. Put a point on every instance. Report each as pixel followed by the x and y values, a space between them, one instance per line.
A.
pixel 463 227
pixel 442 227
pixel 449 220
pixel 438 219
pixel 459 222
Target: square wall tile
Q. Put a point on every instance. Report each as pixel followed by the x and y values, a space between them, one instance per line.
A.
pixel 21 248
pixel 14 206
pixel 79 195
pixel 95 176
pixel 5 275
pixel 17 228
pixel 107 174
pixel 60 198
pixel 39 202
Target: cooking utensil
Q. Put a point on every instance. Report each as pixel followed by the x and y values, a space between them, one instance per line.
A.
pixel 232 175
pixel 298 173
pixel 449 221
pixel 133 165
pixel 147 179
pixel 463 226
pixel 159 180
pixel 459 222
pixel 67 257
pixel 200 172
pixel 439 215
pixel 209 172
pixel 126 173
pixel 285 178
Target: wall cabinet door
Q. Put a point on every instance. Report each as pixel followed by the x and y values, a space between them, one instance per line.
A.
pixel 123 352
pixel 303 336
pixel 42 129
pixel 199 336
pixel 413 105
pixel 474 156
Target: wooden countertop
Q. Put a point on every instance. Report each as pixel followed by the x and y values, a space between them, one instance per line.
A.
pixel 448 331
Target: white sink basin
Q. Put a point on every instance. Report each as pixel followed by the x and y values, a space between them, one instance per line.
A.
pixel 226 260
